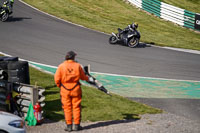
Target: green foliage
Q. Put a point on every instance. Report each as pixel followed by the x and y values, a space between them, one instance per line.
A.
pixel 96 106
pixel 190 5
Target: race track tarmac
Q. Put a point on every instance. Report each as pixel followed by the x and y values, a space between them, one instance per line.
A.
pixel 37 37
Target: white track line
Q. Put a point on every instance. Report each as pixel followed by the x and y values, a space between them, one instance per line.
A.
pixel 177 49
pixel 117 75
pixel 60 18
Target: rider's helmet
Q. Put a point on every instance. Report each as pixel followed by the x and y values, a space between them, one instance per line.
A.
pixel 5 3
pixel 136 25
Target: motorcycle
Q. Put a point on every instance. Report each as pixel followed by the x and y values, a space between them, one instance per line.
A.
pixel 5 11
pixel 130 38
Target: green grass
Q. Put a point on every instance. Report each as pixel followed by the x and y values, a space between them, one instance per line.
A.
pixel 190 5
pixel 96 106
pixel 108 15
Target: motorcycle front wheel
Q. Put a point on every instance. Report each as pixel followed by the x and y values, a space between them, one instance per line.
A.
pixel 4 17
pixel 133 42
pixel 113 40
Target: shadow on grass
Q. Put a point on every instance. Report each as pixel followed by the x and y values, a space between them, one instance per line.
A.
pixel 52 110
pixel 131 116
pixel 54 113
pixel 51 92
pixel 51 86
pixel 113 122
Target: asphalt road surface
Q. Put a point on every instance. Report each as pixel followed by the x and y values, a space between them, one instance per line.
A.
pixel 37 37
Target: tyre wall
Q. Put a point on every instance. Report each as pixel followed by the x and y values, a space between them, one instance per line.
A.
pixel 17 71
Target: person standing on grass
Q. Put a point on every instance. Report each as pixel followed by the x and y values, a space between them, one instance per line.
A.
pixel 67 78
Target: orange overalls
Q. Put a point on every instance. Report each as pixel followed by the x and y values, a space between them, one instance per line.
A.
pixel 67 78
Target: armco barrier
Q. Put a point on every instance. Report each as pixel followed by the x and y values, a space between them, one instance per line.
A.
pixel 3 94
pixel 26 94
pixel 171 13
pixel 15 92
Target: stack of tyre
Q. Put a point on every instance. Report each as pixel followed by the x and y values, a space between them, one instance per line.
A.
pixel 11 70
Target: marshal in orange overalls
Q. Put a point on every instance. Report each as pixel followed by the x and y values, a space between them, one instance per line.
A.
pixel 67 78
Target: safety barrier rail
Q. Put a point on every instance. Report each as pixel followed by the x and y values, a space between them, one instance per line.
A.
pixel 22 94
pixel 15 92
pixel 171 13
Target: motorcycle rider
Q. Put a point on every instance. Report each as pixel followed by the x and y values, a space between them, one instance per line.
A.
pixel 9 5
pixel 130 27
pixel 11 2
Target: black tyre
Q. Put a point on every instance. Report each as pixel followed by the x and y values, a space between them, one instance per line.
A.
pixel 3 99
pixel 1 131
pixel 133 42
pixel 113 40
pixel 4 17
pixel 18 71
pixel 3 75
pixel 7 58
pixel 2 93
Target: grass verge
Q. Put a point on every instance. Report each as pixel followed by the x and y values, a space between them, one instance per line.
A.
pixel 96 106
pixel 190 5
pixel 108 15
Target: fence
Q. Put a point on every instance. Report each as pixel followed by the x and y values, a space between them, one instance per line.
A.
pixel 25 94
pixel 171 13
pixel 15 92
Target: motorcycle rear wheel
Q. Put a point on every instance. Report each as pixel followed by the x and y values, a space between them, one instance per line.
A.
pixel 133 42
pixel 113 40
pixel 4 17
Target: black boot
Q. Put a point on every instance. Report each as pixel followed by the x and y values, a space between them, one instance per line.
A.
pixel 68 128
pixel 77 127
